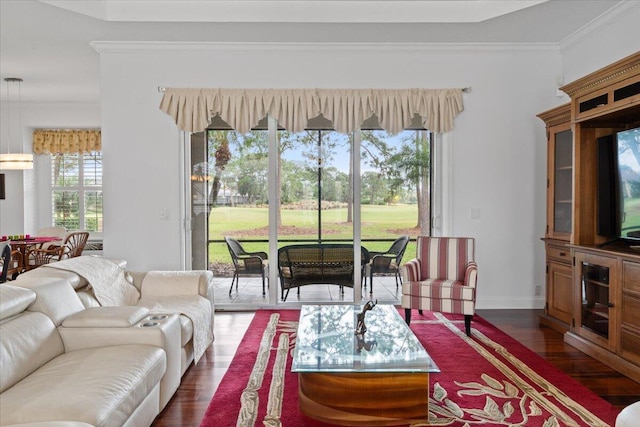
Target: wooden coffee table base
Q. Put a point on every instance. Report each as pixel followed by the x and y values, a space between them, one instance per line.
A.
pixel 365 399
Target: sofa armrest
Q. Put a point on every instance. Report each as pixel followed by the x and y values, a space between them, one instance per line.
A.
pixel 471 274
pixel 411 270
pixel 170 283
pixel 106 317
pixel 51 424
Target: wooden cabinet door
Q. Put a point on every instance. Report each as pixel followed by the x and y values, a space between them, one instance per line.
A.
pixel 630 312
pixel 559 291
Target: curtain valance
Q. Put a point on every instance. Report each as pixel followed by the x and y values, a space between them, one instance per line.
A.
pixel 66 141
pixel 192 109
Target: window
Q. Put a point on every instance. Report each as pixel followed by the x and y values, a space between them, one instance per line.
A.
pixel 76 194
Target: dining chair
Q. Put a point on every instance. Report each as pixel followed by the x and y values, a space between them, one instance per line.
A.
pixel 72 247
pixel 246 263
pixel 54 231
pixel 386 262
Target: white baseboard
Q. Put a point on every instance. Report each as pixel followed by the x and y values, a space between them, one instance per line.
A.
pixel 510 303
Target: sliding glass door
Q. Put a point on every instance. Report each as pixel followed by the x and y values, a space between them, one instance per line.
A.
pixel 272 188
pixel 316 200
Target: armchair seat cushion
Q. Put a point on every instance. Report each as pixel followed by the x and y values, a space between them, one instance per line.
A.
pixel 440 289
pixel 114 382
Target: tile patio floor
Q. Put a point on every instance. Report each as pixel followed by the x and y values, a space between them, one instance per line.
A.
pixel 250 293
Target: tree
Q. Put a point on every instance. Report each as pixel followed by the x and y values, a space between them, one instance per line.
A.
pixel 218 144
pixel 374 188
pixel 411 165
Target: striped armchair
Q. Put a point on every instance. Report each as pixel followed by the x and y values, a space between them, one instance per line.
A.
pixel 441 278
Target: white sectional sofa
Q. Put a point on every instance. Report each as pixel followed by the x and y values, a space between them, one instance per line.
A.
pixel 65 359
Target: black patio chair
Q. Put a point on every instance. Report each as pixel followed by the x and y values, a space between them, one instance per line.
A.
pixel 10 262
pixel 246 263
pixel 386 262
pixel 5 260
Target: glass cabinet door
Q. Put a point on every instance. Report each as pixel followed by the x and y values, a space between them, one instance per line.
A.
pixel 560 182
pixel 595 299
pixel 596 278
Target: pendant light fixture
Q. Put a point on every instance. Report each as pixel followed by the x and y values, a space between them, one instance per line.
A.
pixel 17 160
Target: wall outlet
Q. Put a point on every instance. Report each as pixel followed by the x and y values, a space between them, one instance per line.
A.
pixel 537 290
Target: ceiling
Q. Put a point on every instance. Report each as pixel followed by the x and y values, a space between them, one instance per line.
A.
pixel 47 42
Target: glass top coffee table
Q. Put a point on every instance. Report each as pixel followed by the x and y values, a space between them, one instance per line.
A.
pixel 380 377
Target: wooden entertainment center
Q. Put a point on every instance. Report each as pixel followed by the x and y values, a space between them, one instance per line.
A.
pixel 592 286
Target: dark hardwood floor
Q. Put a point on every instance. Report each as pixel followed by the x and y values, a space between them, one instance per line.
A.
pixel 198 385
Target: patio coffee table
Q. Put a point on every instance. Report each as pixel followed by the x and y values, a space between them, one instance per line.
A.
pixel 380 378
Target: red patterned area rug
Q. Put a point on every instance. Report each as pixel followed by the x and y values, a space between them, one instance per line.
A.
pixel 488 379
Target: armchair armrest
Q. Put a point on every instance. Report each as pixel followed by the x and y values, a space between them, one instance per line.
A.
pixel 262 255
pixel 471 274
pixel 411 270
pixel 254 262
pixel 381 260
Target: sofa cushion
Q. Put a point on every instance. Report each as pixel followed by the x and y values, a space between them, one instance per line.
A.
pixel 75 280
pixel 55 298
pixel 14 300
pixel 28 341
pixel 100 386
pixel 87 297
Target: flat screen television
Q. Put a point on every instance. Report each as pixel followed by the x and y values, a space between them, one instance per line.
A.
pixel 627 173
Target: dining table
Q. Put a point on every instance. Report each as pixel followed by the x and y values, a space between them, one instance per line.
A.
pixel 23 244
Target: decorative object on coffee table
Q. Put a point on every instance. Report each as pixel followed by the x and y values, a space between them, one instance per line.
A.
pixel 361 328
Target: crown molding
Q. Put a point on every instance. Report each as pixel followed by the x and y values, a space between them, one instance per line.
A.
pixel 597 24
pixel 109 47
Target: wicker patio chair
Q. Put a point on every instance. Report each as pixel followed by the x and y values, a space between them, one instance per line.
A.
pixel 246 263
pixel 386 262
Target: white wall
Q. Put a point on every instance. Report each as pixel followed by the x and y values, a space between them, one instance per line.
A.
pixel 604 42
pixel 498 143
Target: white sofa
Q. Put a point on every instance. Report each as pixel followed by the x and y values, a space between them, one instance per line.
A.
pixel 65 358
pixel 629 416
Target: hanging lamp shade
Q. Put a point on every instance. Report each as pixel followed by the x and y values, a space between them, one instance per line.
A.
pixel 9 160
pixel 16 161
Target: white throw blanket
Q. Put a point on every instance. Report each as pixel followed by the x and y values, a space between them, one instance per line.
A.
pixel 107 279
pixel 111 288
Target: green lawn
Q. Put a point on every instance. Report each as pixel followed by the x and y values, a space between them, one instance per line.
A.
pixel 378 222
pixel 632 215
